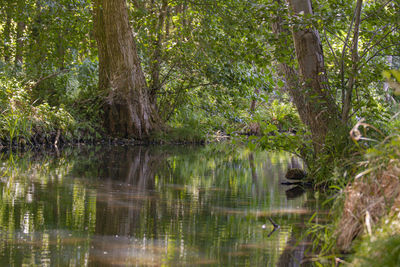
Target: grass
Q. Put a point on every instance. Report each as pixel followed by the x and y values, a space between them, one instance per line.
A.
pixel 23 122
pixel 382 248
pixel 364 226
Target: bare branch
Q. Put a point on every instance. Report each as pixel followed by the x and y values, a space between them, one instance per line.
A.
pixel 378 42
pixel 377 11
pixel 330 47
pixel 167 75
pixel 338 37
pixel 276 226
pixel 367 46
pixel 36 84
pixel 377 52
pixel 345 45
pixel 355 60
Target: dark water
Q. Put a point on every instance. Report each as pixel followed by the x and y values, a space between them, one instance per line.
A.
pixel 160 206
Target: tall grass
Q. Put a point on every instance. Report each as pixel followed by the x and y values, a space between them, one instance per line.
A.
pixel 21 119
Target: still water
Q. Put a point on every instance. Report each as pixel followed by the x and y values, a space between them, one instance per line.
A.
pixel 150 206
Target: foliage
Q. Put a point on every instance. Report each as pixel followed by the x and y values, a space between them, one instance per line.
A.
pixel 382 249
pixel 280 128
pixel 364 198
pixel 203 61
pixel 22 121
pixel 212 68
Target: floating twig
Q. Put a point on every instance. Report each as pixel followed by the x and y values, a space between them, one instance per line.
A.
pixel 276 226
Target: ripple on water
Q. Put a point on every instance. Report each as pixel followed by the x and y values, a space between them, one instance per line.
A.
pixel 148 207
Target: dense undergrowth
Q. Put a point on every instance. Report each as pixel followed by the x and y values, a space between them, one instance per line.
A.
pixel 364 185
pixel 28 121
pixel 67 108
pixel 372 206
pixel 364 209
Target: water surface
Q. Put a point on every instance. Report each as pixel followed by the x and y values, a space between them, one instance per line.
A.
pixel 148 206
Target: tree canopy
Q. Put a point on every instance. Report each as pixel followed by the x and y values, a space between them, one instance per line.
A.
pixel 210 62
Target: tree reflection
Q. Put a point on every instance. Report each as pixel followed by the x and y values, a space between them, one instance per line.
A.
pixel 143 205
pixel 38 211
pixel 128 183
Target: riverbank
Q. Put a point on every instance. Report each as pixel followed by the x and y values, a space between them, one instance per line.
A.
pixel 56 140
pixel 365 209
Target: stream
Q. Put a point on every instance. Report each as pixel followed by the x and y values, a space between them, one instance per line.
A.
pixel 151 206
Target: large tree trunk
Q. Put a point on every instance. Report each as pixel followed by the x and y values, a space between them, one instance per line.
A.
pixel 308 86
pixel 128 110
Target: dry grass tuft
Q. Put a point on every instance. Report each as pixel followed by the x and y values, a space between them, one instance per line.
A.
pixel 367 199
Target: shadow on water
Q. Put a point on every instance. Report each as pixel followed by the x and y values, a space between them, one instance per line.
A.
pixel 149 206
pixel 295 192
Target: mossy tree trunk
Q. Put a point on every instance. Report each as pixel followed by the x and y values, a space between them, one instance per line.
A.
pixel 128 110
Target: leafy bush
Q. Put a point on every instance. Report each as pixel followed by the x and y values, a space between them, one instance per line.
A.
pixel 21 119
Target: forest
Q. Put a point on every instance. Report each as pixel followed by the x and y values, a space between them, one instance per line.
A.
pixel 319 79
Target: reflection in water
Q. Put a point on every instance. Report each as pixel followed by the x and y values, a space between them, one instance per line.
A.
pixel 142 206
pixel 295 163
pixel 294 254
pixel 295 192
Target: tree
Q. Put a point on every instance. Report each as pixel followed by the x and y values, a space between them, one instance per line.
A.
pixel 308 86
pixel 128 109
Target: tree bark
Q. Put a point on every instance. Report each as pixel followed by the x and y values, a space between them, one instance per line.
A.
pixel 128 110
pixel 254 100
pixel 308 86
